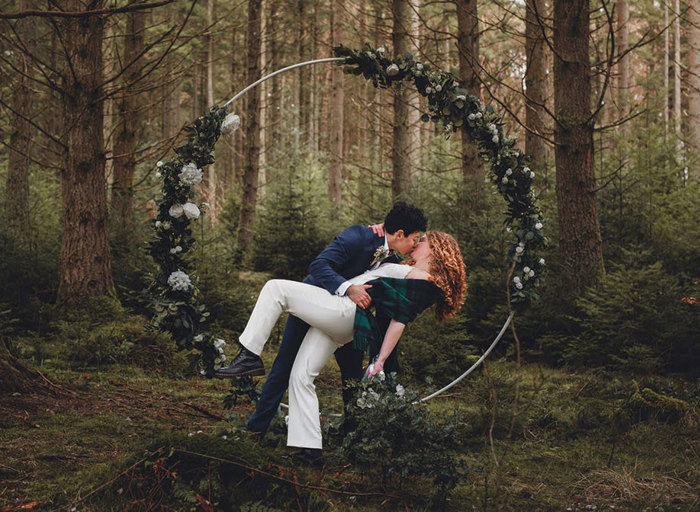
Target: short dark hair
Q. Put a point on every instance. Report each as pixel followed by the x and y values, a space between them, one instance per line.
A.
pixel 406 217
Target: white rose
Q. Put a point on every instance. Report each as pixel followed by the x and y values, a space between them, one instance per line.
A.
pixel 471 117
pixel 158 175
pixel 191 211
pixel 176 211
pixel 509 172
pixel 190 174
pixel 179 281
pixel 400 390
pixel 538 225
pixel 199 337
pixel 532 174
pixel 173 251
pixel 428 90
pixel 526 269
pixel 531 273
pixel 495 139
pixel 479 115
pixel 160 163
pixel 521 244
pixel 541 261
pixel 526 169
pixel 218 343
pixel 516 279
pixel 492 128
pixel 419 66
pixel 509 229
pixel 519 250
pixel 461 97
pixel 519 286
pixel 438 88
pixel 504 180
pixel 231 123
pixel 392 70
pixel 158 223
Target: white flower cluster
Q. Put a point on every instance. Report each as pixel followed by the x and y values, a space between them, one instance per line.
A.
pixel 494 131
pixel 392 70
pixel 221 358
pixel 518 284
pixel 176 249
pixel 165 225
pixel 477 115
pixel 527 170
pixel 231 123
pixel 368 399
pixel 179 281
pixel 190 174
pixel 190 210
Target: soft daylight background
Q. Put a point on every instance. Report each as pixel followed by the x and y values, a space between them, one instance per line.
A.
pixel 591 403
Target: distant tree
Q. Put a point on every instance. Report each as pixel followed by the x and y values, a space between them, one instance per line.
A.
pixel 252 130
pixel 694 80
pixel 17 198
pixel 579 229
pixel 401 175
pixel 468 45
pixel 337 126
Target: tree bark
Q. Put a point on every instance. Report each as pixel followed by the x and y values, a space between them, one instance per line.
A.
pixel 401 162
pixel 17 191
pixel 468 45
pixel 335 169
pixel 694 80
pixel 667 53
pixel 535 84
pixel 677 73
pixel 85 263
pixel 579 230
pixel 212 180
pixel 129 121
pixel 252 132
pixel 623 18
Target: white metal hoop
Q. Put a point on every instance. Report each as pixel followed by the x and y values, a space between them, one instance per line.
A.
pixel 508 320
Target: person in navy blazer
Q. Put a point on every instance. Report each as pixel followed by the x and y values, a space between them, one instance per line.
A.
pixel 352 252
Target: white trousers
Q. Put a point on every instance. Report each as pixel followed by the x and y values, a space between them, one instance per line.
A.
pixel 331 318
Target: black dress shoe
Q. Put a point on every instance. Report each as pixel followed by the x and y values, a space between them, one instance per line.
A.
pixel 312 457
pixel 245 363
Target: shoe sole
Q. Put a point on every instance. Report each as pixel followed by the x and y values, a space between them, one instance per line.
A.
pixel 253 373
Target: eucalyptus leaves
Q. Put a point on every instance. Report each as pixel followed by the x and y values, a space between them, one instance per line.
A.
pixel 453 107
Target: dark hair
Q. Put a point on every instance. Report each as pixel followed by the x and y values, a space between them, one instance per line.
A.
pixel 405 216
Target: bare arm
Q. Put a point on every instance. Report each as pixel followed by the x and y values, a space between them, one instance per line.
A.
pixel 391 338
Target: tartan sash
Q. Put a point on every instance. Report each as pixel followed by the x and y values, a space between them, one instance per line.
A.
pixel 400 299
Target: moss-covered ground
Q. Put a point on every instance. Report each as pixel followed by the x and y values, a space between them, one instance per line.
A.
pixel 118 438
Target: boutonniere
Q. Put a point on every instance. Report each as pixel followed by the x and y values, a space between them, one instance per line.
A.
pixel 380 254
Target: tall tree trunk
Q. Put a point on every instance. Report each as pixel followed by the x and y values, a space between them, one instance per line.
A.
pixel 623 18
pixel 579 230
pixel 128 126
pixel 667 53
pixel 535 84
pixel 677 73
pixel 401 162
pixel 252 131
pixel 694 81
pixel 273 105
pixel 468 45
pixel 211 171
pixel 335 169
pixel 85 266
pixel 17 198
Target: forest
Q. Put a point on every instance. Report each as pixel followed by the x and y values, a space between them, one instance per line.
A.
pixel 147 194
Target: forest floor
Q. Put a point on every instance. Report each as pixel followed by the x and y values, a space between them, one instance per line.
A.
pixel 76 447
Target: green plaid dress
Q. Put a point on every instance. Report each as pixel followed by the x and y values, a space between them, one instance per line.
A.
pixel 399 299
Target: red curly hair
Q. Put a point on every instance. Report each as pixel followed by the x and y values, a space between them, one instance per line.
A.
pixel 448 272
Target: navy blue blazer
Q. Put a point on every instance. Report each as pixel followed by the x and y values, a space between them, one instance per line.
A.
pixel 347 256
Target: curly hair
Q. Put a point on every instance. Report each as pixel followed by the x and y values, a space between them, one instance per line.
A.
pixel 448 272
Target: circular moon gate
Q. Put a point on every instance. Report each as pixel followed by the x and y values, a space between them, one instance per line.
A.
pixel 177 310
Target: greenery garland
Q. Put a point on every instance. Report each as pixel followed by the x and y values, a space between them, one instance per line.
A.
pixel 174 289
pixel 455 108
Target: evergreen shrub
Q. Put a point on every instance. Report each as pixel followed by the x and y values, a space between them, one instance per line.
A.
pixel 393 438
